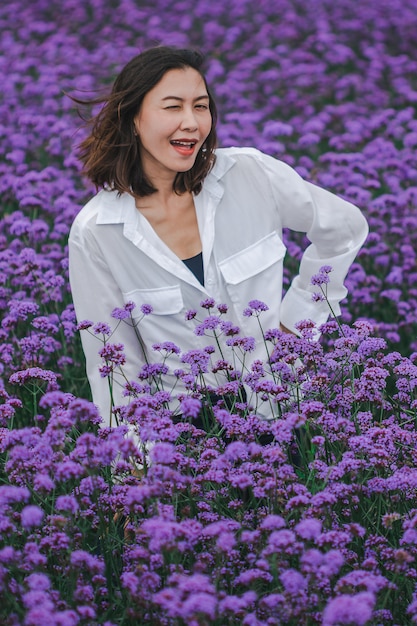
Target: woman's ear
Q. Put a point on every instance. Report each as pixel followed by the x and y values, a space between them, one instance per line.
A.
pixel 136 124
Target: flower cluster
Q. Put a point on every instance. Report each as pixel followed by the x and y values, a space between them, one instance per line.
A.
pixel 226 518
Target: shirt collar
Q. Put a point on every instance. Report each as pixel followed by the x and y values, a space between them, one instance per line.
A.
pixel 221 166
pixel 115 208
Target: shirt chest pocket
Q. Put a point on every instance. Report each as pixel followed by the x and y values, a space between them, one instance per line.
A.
pixel 255 273
pixel 253 260
pixel 165 323
pixel 164 300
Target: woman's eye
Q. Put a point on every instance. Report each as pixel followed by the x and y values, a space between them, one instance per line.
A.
pixel 174 106
pixel 202 107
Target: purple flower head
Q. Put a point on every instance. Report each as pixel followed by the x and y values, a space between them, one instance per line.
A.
pixel 38 582
pixel 190 407
pixel 209 323
pixel 258 305
pixel 222 308
pixel 362 580
pixel 42 482
pixel 31 515
pixel 349 609
pixel 35 373
pixel 67 503
pixel 320 279
pixel 228 328
pixel 120 313
pixel 113 353
pixel 146 309
pixel 199 603
pixel 84 411
pixel 166 346
pixel 197 359
pixel 208 303
pixel 102 329
pixel 190 314
pixel 55 399
pixel 309 528
pixel 129 306
pixel 333 561
pixel 255 307
pixel 273 522
pixel 236 451
pixel 293 582
pixel 163 453
pixel 81 559
pixel 123 312
pixel 152 370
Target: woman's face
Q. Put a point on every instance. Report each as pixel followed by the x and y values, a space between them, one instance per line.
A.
pixel 173 123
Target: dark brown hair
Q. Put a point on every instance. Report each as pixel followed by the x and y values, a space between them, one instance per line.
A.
pixel 111 152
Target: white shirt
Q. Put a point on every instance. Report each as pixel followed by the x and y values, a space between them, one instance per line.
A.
pixel 247 199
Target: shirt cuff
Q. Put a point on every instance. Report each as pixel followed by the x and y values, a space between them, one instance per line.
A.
pixel 298 305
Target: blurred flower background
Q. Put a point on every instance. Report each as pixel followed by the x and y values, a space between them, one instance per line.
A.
pixel 318 525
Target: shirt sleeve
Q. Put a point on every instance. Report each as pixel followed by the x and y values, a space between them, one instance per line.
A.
pixel 95 294
pixel 336 229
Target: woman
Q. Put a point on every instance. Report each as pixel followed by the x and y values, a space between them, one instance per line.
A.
pixel 178 221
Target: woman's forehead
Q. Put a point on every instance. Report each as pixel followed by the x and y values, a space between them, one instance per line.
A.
pixel 186 81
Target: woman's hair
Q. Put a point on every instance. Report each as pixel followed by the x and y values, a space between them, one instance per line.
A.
pixel 111 152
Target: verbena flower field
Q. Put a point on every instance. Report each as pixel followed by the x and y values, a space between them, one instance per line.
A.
pixel 308 519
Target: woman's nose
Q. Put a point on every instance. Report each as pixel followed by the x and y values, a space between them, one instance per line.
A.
pixel 189 121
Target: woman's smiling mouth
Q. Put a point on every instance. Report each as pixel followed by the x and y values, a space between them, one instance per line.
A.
pixel 184 146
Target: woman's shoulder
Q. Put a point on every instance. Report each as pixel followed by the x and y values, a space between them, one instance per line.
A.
pixel 103 206
pixel 235 159
pixel 249 158
pixel 237 153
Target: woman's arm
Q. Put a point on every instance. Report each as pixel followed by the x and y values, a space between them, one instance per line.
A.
pixel 336 229
pixel 95 295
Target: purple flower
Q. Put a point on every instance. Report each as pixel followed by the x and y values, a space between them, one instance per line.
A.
pixel 146 309
pixel 166 346
pixel 197 359
pixel 293 582
pixel 120 313
pixel 208 303
pixel 82 559
pixel 67 503
pixel 38 582
pixel 349 609
pixel 31 516
pixel 309 529
pixel 255 307
pixel 190 407
pixel 130 582
pixel 199 603
pixel 113 353
pixel 102 329
pixel 258 305
pixel 273 522
pixel 320 279
pixel 34 373
pixel 163 453
pixel 209 323
pixel 246 344
pixel 190 315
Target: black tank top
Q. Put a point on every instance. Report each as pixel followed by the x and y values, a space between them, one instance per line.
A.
pixel 195 264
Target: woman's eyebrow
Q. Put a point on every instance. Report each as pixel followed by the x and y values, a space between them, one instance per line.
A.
pixel 204 97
